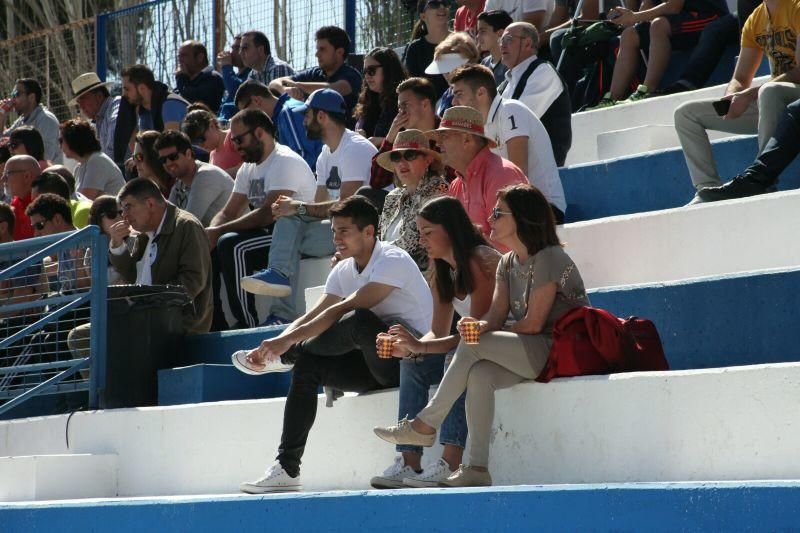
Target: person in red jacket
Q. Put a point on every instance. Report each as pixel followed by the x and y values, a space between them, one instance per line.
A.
pixel 18 176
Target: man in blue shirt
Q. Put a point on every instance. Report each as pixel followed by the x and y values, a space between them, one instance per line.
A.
pixel 96 104
pixel 285 115
pixel 333 46
pixel 157 107
pixel 195 80
pixel 228 59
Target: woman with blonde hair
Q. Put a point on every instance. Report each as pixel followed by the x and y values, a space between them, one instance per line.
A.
pixel 456 50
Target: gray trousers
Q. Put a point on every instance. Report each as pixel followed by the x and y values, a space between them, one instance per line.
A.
pixel 501 360
pixel 692 119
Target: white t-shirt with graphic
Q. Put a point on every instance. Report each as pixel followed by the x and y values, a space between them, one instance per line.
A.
pixel 282 170
pixel 351 161
pixel 410 303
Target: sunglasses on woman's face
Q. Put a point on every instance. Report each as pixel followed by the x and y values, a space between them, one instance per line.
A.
pixel 408 155
pixel 496 213
pixel 371 70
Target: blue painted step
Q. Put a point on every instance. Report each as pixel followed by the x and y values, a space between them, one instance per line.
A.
pixel 217 347
pixel 652 181
pixel 655 507
pixel 214 383
pixel 741 319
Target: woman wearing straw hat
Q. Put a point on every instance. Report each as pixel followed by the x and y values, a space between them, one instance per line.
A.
pixel 419 171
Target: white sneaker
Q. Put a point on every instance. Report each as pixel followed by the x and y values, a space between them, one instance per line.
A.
pixel 392 477
pixel 239 360
pixel 431 476
pixel 275 480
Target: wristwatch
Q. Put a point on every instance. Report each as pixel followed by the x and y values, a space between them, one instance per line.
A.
pixel 301 209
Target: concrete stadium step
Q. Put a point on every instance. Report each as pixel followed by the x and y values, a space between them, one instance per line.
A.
pixel 642 139
pixel 743 506
pixel 688 242
pixel 653 181
pixel 588 125
pixel 58 476
pixel 721 424
pixel 217 382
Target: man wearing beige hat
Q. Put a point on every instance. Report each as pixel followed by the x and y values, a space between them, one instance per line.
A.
pixel 481 172
pixel 96 104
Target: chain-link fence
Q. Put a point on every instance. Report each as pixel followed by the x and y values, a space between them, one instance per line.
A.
pixel 54 56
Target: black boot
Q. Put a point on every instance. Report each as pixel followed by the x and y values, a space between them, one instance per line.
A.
pixel 739 187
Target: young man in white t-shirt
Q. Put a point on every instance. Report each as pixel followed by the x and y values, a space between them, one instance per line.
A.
pixel 242 236
pixel 373 286
pixel 519 135
pixel 343 168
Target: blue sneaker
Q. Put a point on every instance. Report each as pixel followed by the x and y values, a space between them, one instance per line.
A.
pixel 267 282
pixel 274 320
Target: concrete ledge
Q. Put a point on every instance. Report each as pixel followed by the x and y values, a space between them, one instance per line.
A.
pixel 214 383
pixel 705 240
pixel 629 507
pixel 652 181
pixel 653 427
pixel 53 477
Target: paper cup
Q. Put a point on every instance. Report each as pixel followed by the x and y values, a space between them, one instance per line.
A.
pixel 385 346
pixel 472 332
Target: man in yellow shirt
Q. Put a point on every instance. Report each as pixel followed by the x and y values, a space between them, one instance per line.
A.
pixel 772 29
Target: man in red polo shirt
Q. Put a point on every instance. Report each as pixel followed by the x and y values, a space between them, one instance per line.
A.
pixel 481 173
pixel 467 15
pixel 18 176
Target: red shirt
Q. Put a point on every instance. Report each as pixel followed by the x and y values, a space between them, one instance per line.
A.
pixel 477 191
pixel 22 222
pixel 467 20
pixel 225 156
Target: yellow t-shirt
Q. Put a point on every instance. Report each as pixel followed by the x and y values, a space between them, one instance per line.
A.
pixel 778 37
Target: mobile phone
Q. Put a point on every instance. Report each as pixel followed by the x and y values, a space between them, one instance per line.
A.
pixel 722 107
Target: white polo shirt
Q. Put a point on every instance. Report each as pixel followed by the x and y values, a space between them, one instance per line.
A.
pixel 410 303
pixel 509 119
pixel 542 89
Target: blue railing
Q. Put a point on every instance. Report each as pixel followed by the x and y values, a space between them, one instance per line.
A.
pixel 49 287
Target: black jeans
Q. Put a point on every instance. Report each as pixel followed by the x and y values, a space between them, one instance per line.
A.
pixel 344 357
pixel 781 149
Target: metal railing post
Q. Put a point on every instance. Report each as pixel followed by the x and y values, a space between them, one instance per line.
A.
pixel 101 65
pixel 350 23
pixel 99 319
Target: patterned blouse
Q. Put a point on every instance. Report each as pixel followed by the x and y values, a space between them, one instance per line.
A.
pixel 399 203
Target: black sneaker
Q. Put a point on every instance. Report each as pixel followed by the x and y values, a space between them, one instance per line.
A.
pixel 738 187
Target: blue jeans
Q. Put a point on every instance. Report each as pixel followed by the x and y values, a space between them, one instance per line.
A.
pixel 416 378
pixel 292 238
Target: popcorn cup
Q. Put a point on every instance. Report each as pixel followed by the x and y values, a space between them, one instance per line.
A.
pixel 385 346
pixel 472 332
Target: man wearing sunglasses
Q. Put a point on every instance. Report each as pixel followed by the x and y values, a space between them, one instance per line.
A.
pixel 242 239
pixel 200 188
pixel 26 100
pixel 18 176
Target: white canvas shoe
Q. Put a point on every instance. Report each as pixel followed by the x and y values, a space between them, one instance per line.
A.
pixel 275 480
pixel 239 360
pixel 392 477
pixel 431 476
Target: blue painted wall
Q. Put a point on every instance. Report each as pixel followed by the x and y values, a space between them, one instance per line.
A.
pixel 728 321
pixel 213 383
pixel 653 181
pixel 649 507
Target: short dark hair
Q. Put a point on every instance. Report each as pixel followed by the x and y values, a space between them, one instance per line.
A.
pixel 496 18
pixel 80 137
pixel 175 138
pixel 65 173
pixel 536 225
pixel 5 152
pixel 336 36
pixel 259 39
pixel 49 205
pixel 139 74
pixel 359 209
pixel 100 206
pixel 141 189
pixel 51 182
pixel 248 90
pixel 197 122
pixel 31 139
pixel 255 118
pixel 476 76
pixel 31 87
pixel 421 87
pixel 7 216
pixel 198 48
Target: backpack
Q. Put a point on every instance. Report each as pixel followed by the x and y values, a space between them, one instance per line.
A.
pixel 588 341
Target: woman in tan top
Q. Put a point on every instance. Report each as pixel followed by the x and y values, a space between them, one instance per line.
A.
pixel 536 283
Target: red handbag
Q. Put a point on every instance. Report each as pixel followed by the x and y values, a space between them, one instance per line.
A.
pixel 588 341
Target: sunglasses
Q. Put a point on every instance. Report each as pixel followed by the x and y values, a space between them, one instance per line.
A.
pixel 13 145
pixel 408 155
pixel 239 139
pixel 371 70
pixel 496 213
pixel 169 157
pixel 138 157
pixel 113 214
pixel 436 4
pixel 39 226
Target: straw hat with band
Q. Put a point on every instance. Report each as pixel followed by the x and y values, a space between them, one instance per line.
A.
pixel 409 140
pixel 462 119
pixel 85 83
